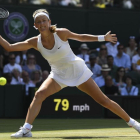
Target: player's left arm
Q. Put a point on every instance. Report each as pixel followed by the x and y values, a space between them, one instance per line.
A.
pixel 88 37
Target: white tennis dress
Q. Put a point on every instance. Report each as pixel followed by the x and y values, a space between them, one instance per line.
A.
pixel 66 67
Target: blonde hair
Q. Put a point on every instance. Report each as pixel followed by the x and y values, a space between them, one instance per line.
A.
pixel 52 27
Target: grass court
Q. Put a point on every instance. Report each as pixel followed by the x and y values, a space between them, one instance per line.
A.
pixel 71 129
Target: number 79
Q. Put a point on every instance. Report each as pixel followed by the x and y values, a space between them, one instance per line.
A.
pixel 64 102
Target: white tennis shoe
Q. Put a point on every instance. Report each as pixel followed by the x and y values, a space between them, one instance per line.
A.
pixel 136 126
pixel 23 132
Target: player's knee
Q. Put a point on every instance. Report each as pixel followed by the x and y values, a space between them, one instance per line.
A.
pixel 39 96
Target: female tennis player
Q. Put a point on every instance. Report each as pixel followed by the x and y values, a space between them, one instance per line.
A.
pixel 66 68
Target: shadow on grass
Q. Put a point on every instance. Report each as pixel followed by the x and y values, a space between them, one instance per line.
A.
pixel 74 137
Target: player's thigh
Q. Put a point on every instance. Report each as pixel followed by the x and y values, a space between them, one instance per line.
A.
pixel 48 87
pixel 91 88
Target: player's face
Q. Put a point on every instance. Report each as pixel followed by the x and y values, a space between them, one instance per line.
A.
pixel 42 23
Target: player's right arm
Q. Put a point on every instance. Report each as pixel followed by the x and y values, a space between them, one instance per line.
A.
pixel 20 46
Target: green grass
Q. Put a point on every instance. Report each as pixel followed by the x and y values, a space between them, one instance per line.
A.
pixel 71 129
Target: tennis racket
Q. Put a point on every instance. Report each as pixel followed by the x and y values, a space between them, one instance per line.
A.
pixel 4 13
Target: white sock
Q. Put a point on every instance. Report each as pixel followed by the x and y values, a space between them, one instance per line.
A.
pixel 131 122
pixel 27 126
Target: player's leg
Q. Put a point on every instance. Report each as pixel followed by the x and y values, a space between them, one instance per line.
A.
pixel 48 88
pixel 93 90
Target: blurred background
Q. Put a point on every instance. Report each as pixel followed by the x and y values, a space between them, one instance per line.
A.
pixel 116 67
pixel 129 4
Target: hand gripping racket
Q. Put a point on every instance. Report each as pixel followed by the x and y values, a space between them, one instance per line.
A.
pixel 4 13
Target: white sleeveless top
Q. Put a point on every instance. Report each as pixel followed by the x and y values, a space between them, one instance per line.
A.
pixel 66 67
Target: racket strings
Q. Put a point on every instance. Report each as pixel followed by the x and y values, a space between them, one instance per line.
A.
pixel 3 13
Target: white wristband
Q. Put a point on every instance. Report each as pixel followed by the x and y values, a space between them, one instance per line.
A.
pixel 101 38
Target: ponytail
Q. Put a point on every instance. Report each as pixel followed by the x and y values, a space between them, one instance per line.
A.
pixel 53 28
